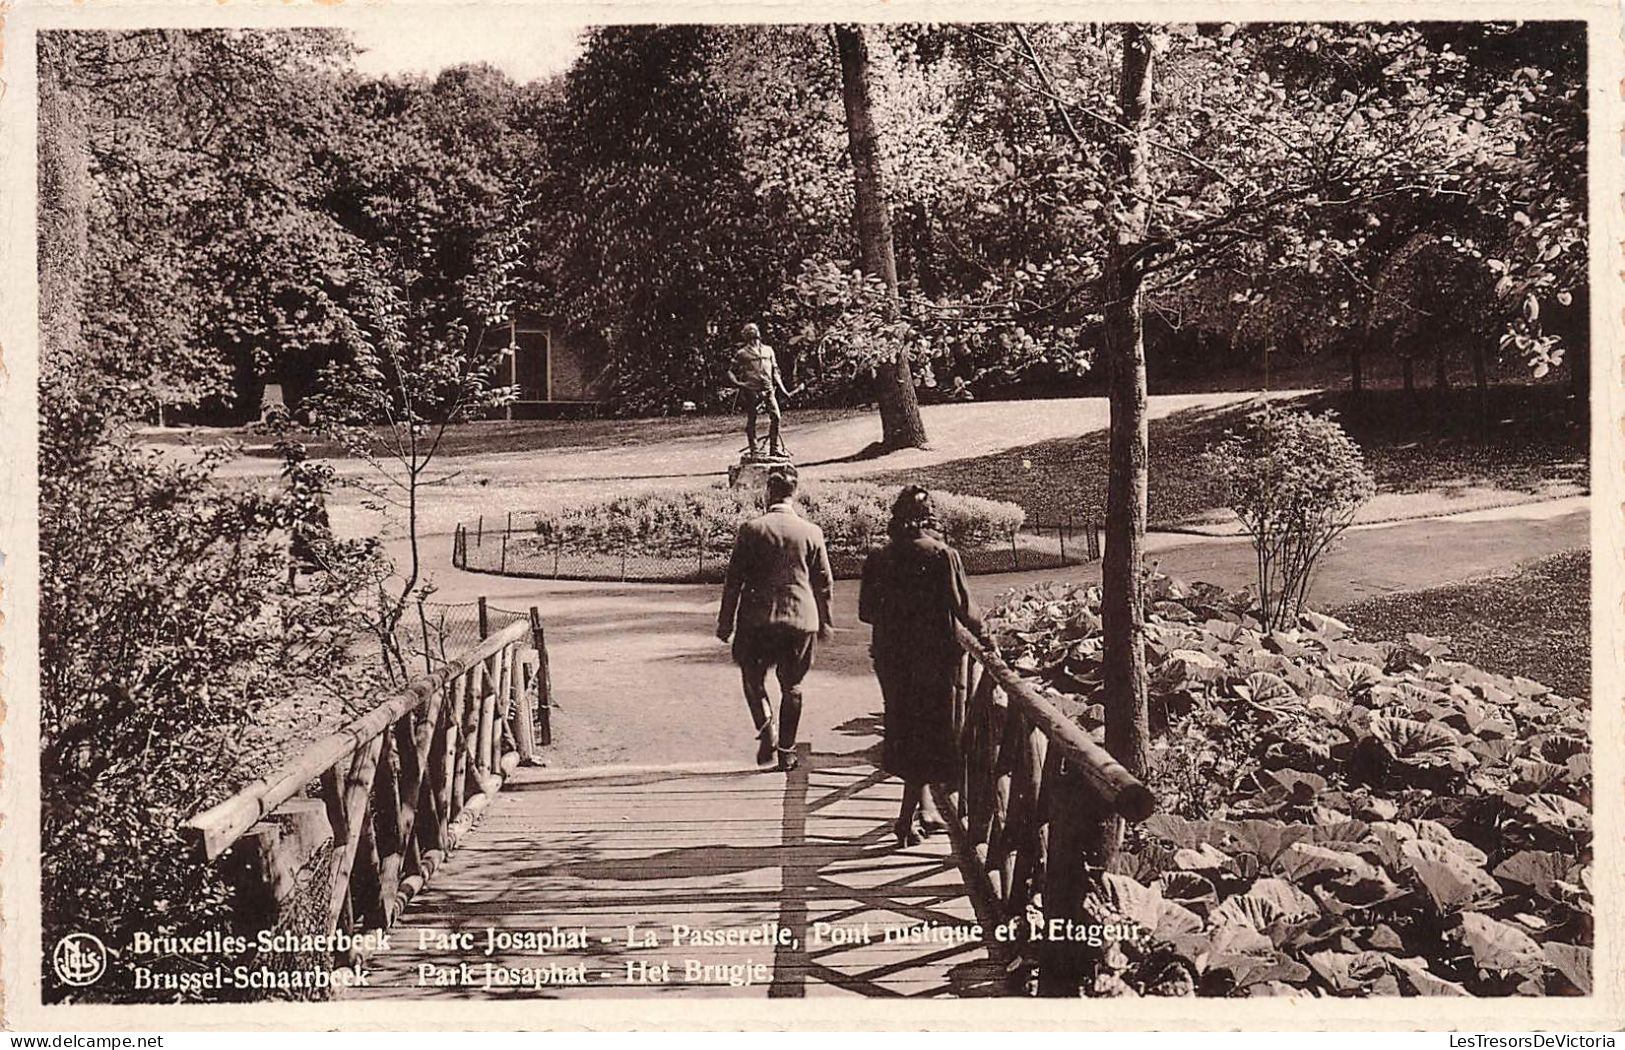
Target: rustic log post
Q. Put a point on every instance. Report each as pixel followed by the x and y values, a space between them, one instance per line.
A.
pixel 544 680
pixel 409 796
pixel 267 864
pixel 346 795
pixel 1072 825
pixel 443 757
pixel 386 811
pixel 1024 833
pixel 428 650
pixel 1004 842
pixel 470 735
pixel 524 715
pixel 484 617
pixel 510 696
pixel 482 739
pixel 981 754
pixel 493 714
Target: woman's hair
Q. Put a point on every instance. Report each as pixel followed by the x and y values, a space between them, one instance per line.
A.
pixel 911 513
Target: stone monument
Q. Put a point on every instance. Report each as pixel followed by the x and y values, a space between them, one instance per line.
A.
pixel 751 470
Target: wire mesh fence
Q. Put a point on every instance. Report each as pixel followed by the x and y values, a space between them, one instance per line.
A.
pixel 431 633
pixel 512 545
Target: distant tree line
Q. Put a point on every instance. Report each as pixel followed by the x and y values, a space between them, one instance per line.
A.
pixel 228 221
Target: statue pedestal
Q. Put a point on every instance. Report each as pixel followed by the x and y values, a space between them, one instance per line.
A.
pixel 751 472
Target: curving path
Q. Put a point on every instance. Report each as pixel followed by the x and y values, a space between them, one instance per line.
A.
pixel 641 678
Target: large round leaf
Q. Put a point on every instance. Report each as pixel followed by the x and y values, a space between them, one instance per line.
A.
pixel 1539 870
pixel 1450 879
pixel 1573 962
pixel 1302 861
pixel 1499 946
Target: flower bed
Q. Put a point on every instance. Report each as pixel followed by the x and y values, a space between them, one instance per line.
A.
pixel 678 524
pixel 1337 817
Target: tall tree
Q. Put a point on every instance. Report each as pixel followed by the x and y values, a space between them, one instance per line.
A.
pixel 900 423
pixel 1264 149
pixel 663 245
pixel 1122 295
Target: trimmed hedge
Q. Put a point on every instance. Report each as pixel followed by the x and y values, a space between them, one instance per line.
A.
pixel 853 516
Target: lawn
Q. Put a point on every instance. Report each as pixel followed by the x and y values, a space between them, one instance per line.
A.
pixel 1531 445
pixel 1534 621
pixel 491 437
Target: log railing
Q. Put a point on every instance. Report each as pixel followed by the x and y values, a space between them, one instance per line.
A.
pixel 376 807
pixel 1035 797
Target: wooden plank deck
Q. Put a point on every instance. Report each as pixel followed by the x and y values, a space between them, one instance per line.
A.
pixel 607 885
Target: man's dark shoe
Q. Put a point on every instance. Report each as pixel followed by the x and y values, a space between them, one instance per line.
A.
pixel 787 759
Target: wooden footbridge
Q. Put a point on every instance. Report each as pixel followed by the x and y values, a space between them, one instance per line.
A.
pixel 478 875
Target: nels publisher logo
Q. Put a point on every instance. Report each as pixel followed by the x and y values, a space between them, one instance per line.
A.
pixel 79 959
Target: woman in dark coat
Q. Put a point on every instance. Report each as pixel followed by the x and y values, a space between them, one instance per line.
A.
pixel 913 595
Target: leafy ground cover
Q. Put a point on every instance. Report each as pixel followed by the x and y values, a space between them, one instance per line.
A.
pixel 1410 448
pixel 1535 620
pixel 1337 816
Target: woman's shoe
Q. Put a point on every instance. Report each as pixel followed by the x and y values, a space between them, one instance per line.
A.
pixel 931 825
pixel 787 759
pixel 908 833
pixel 766 746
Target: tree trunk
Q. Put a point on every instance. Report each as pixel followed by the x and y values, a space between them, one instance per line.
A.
pixel 1441 388
pixel 900 423
pixel 1123 592
pixel 1577 353
pixel 1481 384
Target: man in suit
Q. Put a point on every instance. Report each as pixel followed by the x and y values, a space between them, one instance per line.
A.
pixel 776 608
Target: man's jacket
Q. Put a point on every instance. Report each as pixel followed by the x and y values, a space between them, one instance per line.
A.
pixel 778 574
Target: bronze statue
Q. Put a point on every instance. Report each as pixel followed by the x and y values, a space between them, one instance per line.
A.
pixel 756 375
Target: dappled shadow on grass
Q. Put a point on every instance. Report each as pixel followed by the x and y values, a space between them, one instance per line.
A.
pixel 487 437
pixel 1532 435
pixel 1534 621
pixel 1531 441
pixel 1067 476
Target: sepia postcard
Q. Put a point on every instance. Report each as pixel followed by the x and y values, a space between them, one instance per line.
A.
pixel 604 516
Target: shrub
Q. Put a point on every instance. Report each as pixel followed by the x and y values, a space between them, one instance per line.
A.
pixel 1336 817
pixel 853 516
pixel 173 659
pixel 1295 480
